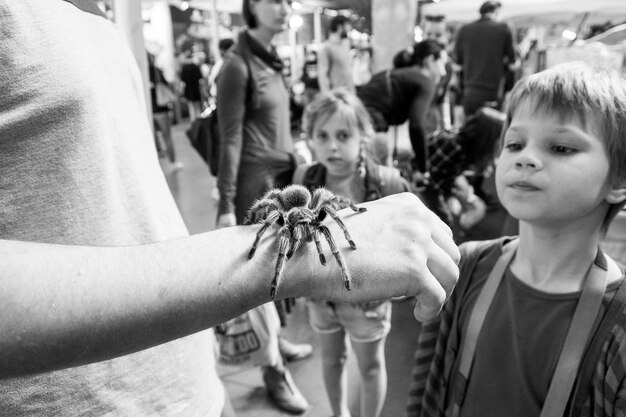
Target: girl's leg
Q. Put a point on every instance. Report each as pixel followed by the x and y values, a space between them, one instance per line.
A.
pixel 334 357
pixel 371 359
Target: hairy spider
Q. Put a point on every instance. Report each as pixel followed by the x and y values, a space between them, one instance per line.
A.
pixel 299 214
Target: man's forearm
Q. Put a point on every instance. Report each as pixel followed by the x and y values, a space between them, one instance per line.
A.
pixel 66 305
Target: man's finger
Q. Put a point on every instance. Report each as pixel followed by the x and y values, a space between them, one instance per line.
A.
pixel 443 267
pixel 442 236
pixel 430 298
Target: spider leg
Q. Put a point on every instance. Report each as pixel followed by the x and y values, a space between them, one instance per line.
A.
pixel 266 223
pixel 338 256
pixel 284 239
pixel 346 202
pixel 296 239
pixel 313 231
pixel 260 209
pixel 332 213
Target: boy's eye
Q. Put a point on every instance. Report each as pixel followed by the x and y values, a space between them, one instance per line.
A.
pixel 513 146
pixel 561 149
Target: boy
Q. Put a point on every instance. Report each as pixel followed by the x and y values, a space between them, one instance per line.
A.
pixel 562 174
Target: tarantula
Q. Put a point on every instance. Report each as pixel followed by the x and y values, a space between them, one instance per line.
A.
pixel 299 214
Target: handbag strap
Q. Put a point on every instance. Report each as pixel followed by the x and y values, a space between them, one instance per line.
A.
pixel 575 342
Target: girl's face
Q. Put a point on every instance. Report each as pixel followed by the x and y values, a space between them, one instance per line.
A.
pixel 271 14
pixel 336 144
pixel 550 172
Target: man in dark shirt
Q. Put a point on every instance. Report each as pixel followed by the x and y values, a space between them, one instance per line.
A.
pixel 484 49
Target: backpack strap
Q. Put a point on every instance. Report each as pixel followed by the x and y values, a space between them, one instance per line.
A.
pixel 479 312
pixel 577 340
pixel 615 313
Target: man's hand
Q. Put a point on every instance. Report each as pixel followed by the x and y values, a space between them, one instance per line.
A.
pixel 402 249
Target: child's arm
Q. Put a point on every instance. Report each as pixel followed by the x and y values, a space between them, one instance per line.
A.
pixel 473 208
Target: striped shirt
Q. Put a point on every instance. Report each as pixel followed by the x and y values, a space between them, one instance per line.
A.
pixel 600 389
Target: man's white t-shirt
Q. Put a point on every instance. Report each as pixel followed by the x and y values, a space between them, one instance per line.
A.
pixel 78 166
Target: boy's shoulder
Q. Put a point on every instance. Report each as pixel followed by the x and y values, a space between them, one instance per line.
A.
pixel 483 253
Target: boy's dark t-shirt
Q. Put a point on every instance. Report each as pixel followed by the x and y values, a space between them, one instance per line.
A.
pixel 518 347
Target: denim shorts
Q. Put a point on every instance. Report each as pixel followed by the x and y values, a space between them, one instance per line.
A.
pixel 362 322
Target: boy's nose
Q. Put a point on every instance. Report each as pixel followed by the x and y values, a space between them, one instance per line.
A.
pixel 527 158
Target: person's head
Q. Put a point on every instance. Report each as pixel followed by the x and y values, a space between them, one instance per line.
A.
pixel 338 128
pixel 489 8
pixel 271 15
pixel 403 58
pixel 224 45
pixel 435 29
pixel 480 136
pixel 341 25
pixel 431 56
pixel 563 152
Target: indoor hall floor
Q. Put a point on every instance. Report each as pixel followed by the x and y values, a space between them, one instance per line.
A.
pixel 192 187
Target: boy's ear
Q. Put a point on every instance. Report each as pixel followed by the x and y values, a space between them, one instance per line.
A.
pixel 617 194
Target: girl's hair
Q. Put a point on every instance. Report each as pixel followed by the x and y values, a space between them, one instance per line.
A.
pixel 594 96
pixel 338 101
pixel 424 49
pixel 248 17
pixel 417 54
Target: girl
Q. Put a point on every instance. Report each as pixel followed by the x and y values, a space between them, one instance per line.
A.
pixel 338 127
pixel 257 151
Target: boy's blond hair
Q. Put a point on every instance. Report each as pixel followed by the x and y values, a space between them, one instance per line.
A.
pixel 592 95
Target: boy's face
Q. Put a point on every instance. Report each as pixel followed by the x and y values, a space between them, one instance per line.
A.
pixel 551 172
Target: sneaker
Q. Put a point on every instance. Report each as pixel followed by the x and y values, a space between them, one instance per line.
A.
pixel 283 391
pixel 293 352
